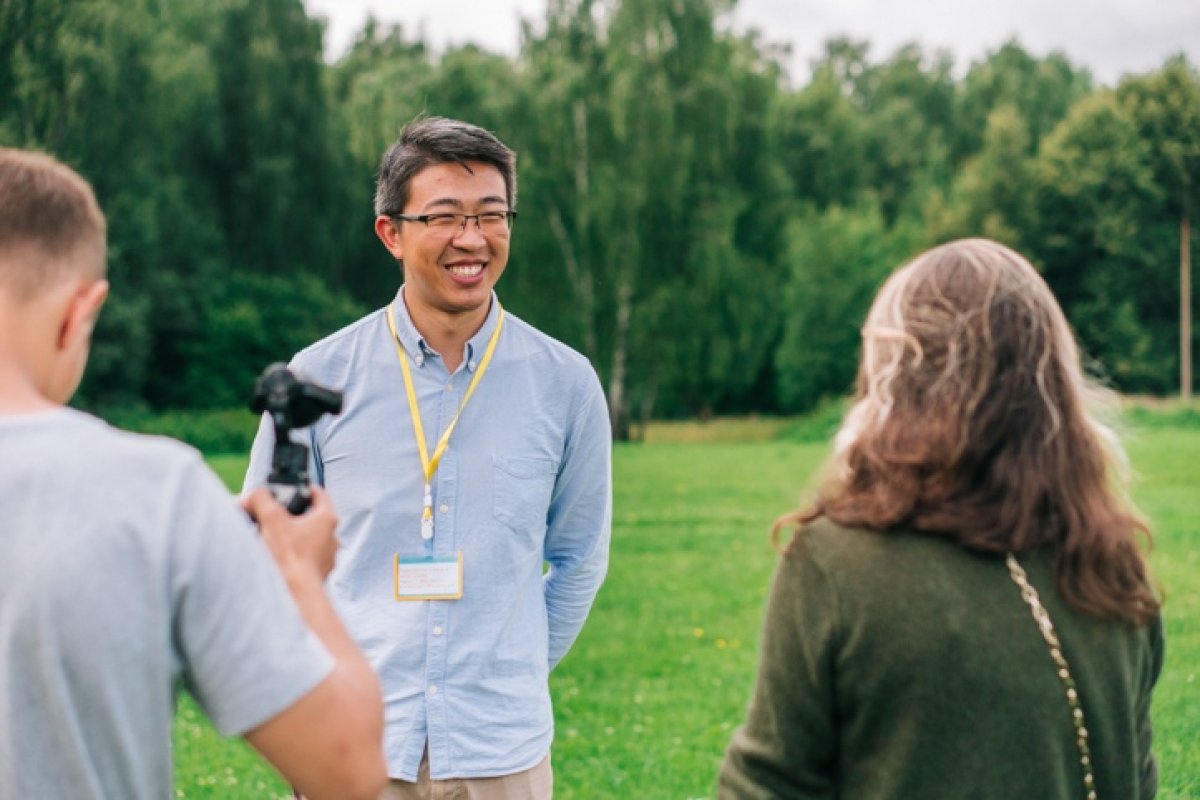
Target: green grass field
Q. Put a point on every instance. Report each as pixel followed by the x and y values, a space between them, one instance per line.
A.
pixel 648 698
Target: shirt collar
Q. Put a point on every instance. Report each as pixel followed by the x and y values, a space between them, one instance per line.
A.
pixel 414 343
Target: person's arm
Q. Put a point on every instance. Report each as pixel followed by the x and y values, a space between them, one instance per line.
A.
pixel 1147 765
pixel 788 744
pixel 259 466
pixel 579 523
pixel 328 743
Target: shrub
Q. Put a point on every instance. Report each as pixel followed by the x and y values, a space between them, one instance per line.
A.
pixel 213 432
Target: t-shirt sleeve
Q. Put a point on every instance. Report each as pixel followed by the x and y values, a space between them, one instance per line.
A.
pixel 244 650
pixel 787 746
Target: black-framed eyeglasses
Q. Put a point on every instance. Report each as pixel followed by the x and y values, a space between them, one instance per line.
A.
pixel 453 224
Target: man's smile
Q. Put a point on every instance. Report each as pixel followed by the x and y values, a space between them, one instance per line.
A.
pixel 466 269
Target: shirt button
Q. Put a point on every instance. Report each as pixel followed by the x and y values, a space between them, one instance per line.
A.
pixel 443 508
pixel 471 365
pixel 437 630
pixel 432 689
pixel 449 387
pixel 420 360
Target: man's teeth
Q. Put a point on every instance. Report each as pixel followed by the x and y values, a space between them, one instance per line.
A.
pixel 466 270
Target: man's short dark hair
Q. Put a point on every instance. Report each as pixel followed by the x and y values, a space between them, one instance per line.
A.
pixel 47 213
pixel 437 140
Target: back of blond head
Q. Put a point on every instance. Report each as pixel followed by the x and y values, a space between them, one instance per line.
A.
pixel 50 224
pixel 975 420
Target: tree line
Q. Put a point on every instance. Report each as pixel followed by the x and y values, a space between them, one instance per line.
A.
pixel 708 233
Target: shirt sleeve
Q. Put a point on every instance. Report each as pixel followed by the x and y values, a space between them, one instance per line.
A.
pixel 787 746
pixel 579 522
pixel 245 651
pixel 260 456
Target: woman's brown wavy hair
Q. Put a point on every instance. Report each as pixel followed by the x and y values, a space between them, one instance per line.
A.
pixel 974 420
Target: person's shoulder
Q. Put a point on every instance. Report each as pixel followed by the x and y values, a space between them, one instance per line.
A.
pixel 856 554
pixel 342 345
pixel 823 535
pixel 92 428
pixel 568 382
pixel 533 343
pixel 344 357
pixel 844 548
pixel 116 451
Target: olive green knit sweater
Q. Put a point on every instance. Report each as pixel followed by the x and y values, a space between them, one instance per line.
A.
pixel 901 665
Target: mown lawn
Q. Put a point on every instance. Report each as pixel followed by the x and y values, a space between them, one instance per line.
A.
pixel 647 700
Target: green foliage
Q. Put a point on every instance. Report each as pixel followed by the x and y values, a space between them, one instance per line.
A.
pixel 818 425
pixel 648 698
pixel 213 432
pixel 665 164
pixel 275 171
pixel 992 194
pixel 1143 415
pixel 1044 89
pixel 823 141
pixel 1105 242
pixel 250 321
pixel 647 159
pixel 838 260
pixel 1165 106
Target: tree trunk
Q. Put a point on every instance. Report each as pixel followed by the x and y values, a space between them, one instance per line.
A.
pixel 618 411
pixel 580 278
pixel 575 251
pixel 646 407
pixel 1185 305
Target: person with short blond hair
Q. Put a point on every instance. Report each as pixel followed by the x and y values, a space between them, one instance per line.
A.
pixel 127 570
pixel 63 231
pixel 964 610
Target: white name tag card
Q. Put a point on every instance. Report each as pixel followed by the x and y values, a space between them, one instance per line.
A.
pixel 429 578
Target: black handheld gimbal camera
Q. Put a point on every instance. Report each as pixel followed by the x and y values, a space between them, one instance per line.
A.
pixel 292 402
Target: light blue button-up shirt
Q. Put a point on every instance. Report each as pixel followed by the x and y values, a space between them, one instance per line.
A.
pixel 525 481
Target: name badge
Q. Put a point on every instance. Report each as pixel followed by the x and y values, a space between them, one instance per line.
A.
pixel 429 578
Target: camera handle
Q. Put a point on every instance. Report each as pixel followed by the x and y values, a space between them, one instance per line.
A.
pixel 288 480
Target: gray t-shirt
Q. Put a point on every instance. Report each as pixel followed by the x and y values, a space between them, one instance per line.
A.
pixel 126 569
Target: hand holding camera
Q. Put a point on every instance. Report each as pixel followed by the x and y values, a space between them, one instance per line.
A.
pixel 304 545
pixel 302 548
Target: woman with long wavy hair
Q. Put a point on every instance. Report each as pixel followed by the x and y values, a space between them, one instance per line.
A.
pixel 963 611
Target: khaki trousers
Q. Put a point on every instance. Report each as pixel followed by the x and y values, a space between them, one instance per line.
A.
pixel 536 783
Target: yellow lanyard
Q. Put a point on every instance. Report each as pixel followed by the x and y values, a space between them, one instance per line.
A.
pixel 430 464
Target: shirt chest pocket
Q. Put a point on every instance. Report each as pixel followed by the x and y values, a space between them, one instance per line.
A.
pixel 522 486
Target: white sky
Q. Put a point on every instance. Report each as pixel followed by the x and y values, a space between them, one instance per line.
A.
pixel 1111 37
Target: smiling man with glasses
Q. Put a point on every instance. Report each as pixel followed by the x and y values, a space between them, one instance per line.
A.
pixel 472 450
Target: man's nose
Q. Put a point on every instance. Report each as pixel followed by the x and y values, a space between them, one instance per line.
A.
pixel 470 234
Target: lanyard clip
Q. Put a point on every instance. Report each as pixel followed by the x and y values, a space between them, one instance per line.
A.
pixel 427 514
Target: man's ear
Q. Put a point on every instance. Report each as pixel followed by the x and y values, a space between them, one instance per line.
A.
pixel 389 234
pixel 82 310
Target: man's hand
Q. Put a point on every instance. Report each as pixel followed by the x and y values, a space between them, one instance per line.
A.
pixel 302 546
